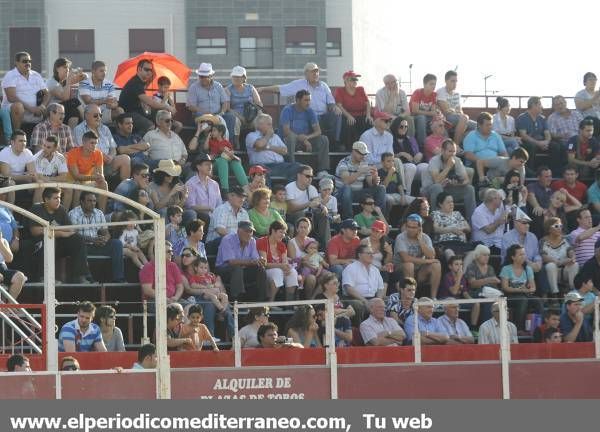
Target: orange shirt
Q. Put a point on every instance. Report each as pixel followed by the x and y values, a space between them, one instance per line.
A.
pixel 85 165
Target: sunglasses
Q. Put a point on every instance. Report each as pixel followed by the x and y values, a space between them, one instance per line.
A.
pixel 97 115
pixel 354 79
pixel 70 368
pixel 403 126
pixel 26 61
pixel 147 69
pixel 188 255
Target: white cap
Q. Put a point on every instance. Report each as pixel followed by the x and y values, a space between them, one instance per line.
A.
pixel 360 147
pixel 205 69
pixel 522 216
pixel 238 71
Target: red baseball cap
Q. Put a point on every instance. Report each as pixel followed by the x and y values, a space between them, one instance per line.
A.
pixel 350 74
pixel 258 169
pixel 380 226
pixel 381 115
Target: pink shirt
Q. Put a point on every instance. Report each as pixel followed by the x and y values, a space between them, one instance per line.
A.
pixel 173 275
pixel 432 143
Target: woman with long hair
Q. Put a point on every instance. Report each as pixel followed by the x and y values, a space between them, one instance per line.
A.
pixel 407 150
pixel 518 284
pixel 111 334
pixel 504 124
pixel 255 318
pixel 421 207
pixel 303 328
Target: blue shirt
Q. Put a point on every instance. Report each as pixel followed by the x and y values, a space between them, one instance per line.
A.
pixel 299 122
pixel 593 193
pixel 84 342
pixel 566 325
pixel 530 244
pixel 207 100
pixel 534 128
pixel 7 223
pixel 432 326
pixel 129 140
pixel 484 147
pixel 230 249
pixel 515 281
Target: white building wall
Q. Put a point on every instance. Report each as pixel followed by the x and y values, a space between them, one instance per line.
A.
pixel 111 21
pixel 378 51
pixel 339 15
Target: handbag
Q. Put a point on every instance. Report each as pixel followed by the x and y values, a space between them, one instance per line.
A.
pixel 251 110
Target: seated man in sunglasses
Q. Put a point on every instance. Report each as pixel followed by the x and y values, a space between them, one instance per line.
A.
pixel 114 163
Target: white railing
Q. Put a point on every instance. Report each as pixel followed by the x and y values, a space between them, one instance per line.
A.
pixel 331 355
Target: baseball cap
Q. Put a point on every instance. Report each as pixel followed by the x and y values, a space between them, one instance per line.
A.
pixel 381 115
pixel 415 218
pixel 360 147
pixel 379 225
pixel 246 225
pixel 350 74
pixel 326 183
pixel 349 223
pixel 258 169
pixel 573 297
pixel 202 158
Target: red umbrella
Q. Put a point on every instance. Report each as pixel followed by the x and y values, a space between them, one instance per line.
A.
pixel 164 65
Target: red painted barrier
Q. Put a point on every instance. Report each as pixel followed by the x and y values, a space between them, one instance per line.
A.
pixel 449 381
pixel 109 385
pixel 307 382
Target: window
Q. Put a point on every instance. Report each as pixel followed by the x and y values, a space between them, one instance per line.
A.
pixel 25 39
pixel 334 42
pixel 211 40
pixel 77 46
pixel 256 47
pixel 140 40
pixel 301 40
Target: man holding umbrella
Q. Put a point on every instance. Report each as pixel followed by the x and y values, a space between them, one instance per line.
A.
pixel 134 95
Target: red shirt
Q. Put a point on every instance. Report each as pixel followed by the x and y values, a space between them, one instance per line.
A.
pixel 579 191
pixel 215 148
pixel 173 276
pixel 262 245
pixel 426 103
pixel 338 247
pixel 356 105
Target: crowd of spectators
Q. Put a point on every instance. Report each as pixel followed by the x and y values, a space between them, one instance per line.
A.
pixel 322 233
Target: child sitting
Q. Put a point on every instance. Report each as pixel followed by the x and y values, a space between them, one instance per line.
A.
pixel 174 232
pixel 222 153
pixel 129 238
pixel 329 201
pixel 369 214
pixel 313 263
pixel 197 331
pixel 211 285
pixel 164 95
pixel 278 200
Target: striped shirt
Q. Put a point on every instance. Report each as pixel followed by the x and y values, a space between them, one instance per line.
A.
pixel 106 89
pixel 584 250
pixel 223 217
pixel 84 342
pixel 78 217
pixel 50 168
pixel 44 129
pixel 106 141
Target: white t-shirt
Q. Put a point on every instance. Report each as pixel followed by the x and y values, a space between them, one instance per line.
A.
pixel 26 89
pixel 52 168
pixel 300 197
pixel 129 237
pixel 453 100
pixel 18 164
